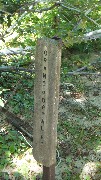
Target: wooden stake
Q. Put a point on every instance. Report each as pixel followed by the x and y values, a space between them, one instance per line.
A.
pixel 46 100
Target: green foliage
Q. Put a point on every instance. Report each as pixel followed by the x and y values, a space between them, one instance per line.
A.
pixel 11 143
pixel 22 101
pixel 18 176
pixel 4 175
pixel 66 20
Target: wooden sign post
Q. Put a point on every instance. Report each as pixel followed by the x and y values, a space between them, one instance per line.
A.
pixel 46 99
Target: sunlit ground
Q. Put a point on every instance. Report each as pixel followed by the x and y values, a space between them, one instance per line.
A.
pixel 25 165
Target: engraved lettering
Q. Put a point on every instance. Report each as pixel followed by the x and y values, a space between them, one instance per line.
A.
pixel 41 139
pixel 41 136
pixel 45 59
pixel 42 128
pixel 42 121
pixel 44 68
pixel 44 75
pixel 43 106
pixel 44 83
pixel 45 52
pixel 43 100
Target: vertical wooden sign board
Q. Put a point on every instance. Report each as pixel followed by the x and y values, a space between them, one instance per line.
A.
pixel 46 99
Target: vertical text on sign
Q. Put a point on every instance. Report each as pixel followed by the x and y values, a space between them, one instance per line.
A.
pixel 44 91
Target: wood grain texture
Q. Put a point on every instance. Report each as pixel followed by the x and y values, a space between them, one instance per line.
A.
pixel 46 99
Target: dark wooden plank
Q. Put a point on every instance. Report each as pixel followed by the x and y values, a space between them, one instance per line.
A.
pixel 18 123
pixel 49 172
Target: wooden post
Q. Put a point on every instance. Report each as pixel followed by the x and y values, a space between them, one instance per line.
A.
pixel 46 99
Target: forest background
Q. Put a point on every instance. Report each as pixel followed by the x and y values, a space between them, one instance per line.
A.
pixel 22 22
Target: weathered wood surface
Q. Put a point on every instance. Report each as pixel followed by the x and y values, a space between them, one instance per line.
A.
pixel 46 99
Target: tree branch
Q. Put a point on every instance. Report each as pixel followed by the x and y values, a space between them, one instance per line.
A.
pixel 92 35
pixel 14 25
pixel 70 8
pixel 25 13
pixel 85 67
pixel 88 36
pixel 93 21
pixel 14 68
pixel 30 9
pixel 47 9
pixel 85 14
pixel 19 19
pixel 12 51
pixel 5 12
pixel 82 74
pixel 18 123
